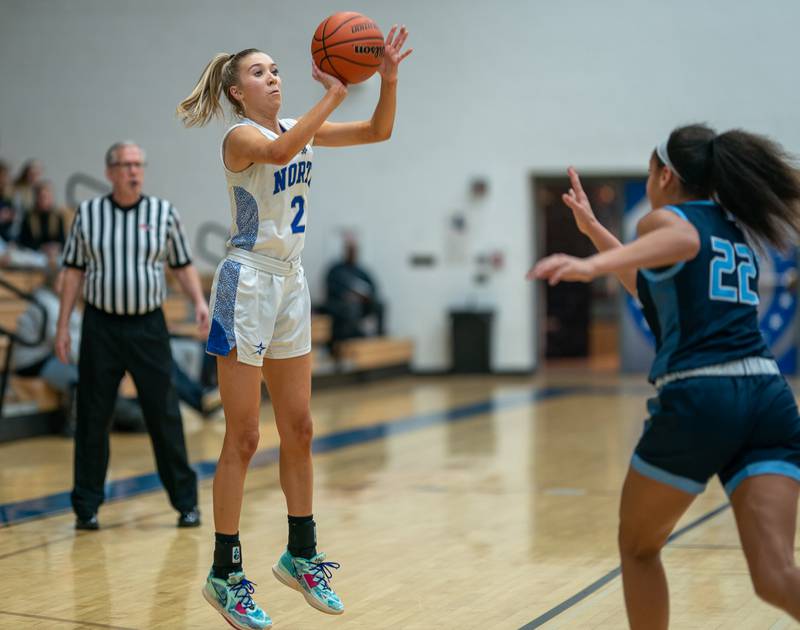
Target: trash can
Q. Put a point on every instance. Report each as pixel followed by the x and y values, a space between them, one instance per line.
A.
pixel 471 341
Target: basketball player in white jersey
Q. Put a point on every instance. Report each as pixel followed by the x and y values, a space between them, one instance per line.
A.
pixel 260 305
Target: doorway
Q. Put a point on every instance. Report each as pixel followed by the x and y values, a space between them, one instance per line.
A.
pixel 579 324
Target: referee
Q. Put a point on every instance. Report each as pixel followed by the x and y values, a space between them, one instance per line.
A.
pixel 116 248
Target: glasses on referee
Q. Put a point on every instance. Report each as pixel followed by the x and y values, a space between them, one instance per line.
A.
pixel 129 165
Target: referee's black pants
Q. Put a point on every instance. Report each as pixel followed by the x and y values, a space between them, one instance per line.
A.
pixel 110 345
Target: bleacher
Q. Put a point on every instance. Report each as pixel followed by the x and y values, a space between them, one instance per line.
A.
pixel 29 404
pixel 359 358
pixel 375 353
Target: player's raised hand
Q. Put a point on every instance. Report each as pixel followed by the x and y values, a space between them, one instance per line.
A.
pixel 392 53
pixel 328 81
pixel 560 267
pixel 578 202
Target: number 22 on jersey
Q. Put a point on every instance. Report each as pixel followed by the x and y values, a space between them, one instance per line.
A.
pixel 737 260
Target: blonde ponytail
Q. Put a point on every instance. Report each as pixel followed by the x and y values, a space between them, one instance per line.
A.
pixel 219 76
pixel 203 103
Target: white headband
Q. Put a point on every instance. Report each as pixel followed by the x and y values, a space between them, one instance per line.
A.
pixel 663 155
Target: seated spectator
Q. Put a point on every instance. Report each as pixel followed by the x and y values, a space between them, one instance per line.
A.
pixel 352 297
pixel 39 360
pixel 203 398
pixel 29 175
pixel 43 225
pixel 8 212
pixel 21 258
pixel 5 183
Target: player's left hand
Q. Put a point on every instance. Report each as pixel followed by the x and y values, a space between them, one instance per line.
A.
pixel 392 53
pixel 201 317
pixel 560 267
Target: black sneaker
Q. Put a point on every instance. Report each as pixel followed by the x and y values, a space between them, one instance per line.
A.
pixel 190 518
pixel 91 523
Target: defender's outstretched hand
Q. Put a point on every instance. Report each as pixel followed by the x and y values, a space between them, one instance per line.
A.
pixel 560 267
pixel 392 53
pixel 578 202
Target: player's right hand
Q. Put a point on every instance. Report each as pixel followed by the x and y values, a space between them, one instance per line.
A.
pixel 560 267
pixel 578 202
pixel 328 80
pixel 63 345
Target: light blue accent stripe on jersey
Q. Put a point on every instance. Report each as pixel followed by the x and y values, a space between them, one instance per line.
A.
pixel 658 276
pixel 221 337
pixel 774 467
pixel 665 298
pixel 246 219
pixel 654 472
pixel 677 211
pixel 700 202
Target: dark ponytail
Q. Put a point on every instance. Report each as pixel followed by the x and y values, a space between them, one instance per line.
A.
pixel 751 176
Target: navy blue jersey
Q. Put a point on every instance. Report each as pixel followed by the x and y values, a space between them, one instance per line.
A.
pixel 704 311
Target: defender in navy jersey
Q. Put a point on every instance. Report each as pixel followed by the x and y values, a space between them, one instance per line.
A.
pixel 703 311
pixel 722 408
pixel 260 305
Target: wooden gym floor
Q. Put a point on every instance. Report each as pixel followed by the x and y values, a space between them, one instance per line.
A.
pixel 450 502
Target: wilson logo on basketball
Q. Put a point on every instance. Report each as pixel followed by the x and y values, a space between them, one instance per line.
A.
pixel 358 28
pixel 375 51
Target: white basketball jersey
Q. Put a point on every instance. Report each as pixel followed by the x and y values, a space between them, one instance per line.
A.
pixel 269 203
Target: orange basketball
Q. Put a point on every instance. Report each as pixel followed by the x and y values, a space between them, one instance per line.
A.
pixel 349 46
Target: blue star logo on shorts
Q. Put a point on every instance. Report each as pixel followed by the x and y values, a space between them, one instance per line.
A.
pixel 260 348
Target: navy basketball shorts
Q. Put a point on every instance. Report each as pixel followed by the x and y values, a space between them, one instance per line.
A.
pixel 731 426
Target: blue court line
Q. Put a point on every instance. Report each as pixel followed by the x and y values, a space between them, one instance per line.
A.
pixel 50 505
pixel 614 573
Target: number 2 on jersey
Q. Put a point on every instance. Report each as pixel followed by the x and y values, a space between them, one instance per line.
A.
pixel 301 208
pixel 724 265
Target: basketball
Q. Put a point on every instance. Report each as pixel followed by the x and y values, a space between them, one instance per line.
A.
pixel 349 46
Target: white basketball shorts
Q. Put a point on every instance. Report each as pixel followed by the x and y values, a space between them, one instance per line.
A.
pixel 261 307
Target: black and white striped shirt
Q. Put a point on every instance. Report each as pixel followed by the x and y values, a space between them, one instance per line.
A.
pixel 123 250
